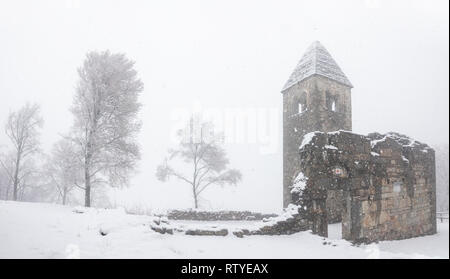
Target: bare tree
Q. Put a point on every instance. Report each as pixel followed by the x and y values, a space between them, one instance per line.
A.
pixel 6 172
pixel 5 177
pixel 106 109
pixel 201 148
pixel 22 128
pixel 63 169
pixel 31 184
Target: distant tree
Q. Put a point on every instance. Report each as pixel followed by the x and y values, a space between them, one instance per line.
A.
pixel 106 109
pixel 3 184
pixel 201 149
pixel 22 128
pixel 63 169
pixel 442 176
pixel 32 185
pixel 29 178
pixel 6 177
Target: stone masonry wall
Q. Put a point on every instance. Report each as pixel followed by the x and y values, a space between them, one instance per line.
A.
pixel 387 183
pixel 335 206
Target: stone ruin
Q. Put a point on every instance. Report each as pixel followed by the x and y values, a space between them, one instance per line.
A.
pixel 381 187
pixel 289 222
pixel 387 185
pixel 221 215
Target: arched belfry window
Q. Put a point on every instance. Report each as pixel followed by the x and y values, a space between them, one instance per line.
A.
pixel 331 102
pixel 300 107
pixel 300 104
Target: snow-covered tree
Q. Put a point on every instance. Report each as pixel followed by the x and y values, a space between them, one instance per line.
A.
pixel 106 109
pixel 6 170
pixel 202 150
pixel 63 170
pixel 22 128
pixel 30 182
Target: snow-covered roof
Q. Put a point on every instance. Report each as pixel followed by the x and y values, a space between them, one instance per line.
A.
pixel 317 61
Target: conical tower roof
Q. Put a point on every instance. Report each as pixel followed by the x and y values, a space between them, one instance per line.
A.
pixel 317 61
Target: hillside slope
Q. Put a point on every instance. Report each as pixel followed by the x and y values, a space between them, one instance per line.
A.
pixel 32 230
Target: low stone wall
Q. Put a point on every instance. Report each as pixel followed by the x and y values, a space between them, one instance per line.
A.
pixel 289 222
pixel 164 227
pixel 210 232
pixel 224 215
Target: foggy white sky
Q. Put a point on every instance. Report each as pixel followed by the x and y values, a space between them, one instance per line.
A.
pixel 227 54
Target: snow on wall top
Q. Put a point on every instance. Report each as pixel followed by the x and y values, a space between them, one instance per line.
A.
pixel 307 138
pixel 375 138
pixel 317 60
pixel 403 140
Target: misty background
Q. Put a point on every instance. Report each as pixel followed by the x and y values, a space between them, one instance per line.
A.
pixel 229 54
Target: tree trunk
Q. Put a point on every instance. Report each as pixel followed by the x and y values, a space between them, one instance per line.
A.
pixel 64 196
pixel 195 197
pixel 8 186
pixel 87 174
pixel 87 184
pixel 16 177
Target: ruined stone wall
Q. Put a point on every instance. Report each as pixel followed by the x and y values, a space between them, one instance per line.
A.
pixel 335 206
pixel 316 94
pixel 387 183
pixel 223 215
pixel 288 222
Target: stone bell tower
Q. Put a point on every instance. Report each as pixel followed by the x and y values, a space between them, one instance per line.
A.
pixel 316 97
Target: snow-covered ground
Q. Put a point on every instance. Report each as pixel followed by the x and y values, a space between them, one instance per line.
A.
pixel 30 230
